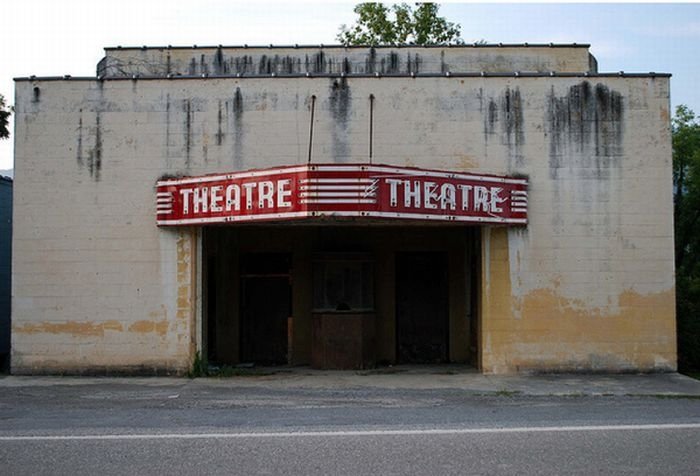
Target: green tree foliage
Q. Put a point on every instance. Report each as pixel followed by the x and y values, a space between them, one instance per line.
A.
pixel 686 197
pixel 5 112
pixel 399 24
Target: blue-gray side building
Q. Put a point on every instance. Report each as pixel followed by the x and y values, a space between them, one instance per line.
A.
pixel 5 266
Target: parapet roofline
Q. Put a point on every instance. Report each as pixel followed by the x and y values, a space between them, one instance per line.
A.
pixel 515 74
pixel 244 46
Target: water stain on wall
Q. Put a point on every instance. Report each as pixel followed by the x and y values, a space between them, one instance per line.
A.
pixel 219 129
pixel 187 109
pixel 203 65
pixel 503 117
pixel 94 161
pixel 339 104
pixel 220 67
pixel 185 312
pixel 242 64
pixel 413 64
pixel 238 131
pixel 391 64
pixel 79 146
pixel 585 128
pixel 512 127
pixel 218 62
pixel 93 157
pixel 370 61
pixel 315 63
pixel 167 130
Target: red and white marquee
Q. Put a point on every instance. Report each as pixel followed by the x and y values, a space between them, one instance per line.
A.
pixel 335 190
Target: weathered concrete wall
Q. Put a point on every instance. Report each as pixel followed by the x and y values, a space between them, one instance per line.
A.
pixel 254 61
pixel 587 285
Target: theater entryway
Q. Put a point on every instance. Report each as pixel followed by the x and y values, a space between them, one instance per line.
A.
pixel 340 295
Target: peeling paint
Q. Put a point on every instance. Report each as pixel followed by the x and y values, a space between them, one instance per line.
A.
pixel 467 162
pixel 185 319
pixel 144 327
pixel 542 329
pixel 184 284
pixel 74 328
pixel 555 333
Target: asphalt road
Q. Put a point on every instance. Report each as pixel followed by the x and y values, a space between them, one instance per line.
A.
pixel 196 428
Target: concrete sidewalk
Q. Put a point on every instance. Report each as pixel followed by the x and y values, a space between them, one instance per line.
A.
pixel 418 378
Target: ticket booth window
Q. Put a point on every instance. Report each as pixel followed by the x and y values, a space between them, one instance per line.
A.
pixel 343 282
pixel 343 315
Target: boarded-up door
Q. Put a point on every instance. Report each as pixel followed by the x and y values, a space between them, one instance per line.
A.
pixel 265 307
pixel 421 307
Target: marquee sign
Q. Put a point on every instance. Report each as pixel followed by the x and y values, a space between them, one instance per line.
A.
pixel 336 190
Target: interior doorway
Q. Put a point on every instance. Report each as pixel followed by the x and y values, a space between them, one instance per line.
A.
pixel 422 308
pixel 265 307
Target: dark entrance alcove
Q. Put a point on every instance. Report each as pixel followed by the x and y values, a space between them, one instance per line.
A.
pixel 265 307
pixel 422 307
pixel 289 295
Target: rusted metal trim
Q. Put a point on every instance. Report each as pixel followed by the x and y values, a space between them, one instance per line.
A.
pixel 371 125
pixel 311 127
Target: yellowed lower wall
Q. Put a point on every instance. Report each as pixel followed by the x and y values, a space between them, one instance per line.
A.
pixel 95 345
pixel 543 330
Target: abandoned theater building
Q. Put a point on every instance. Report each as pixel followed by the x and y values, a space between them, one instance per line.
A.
pixel 503 206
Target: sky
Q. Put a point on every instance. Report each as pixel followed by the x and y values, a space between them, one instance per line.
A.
pixel 57 37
